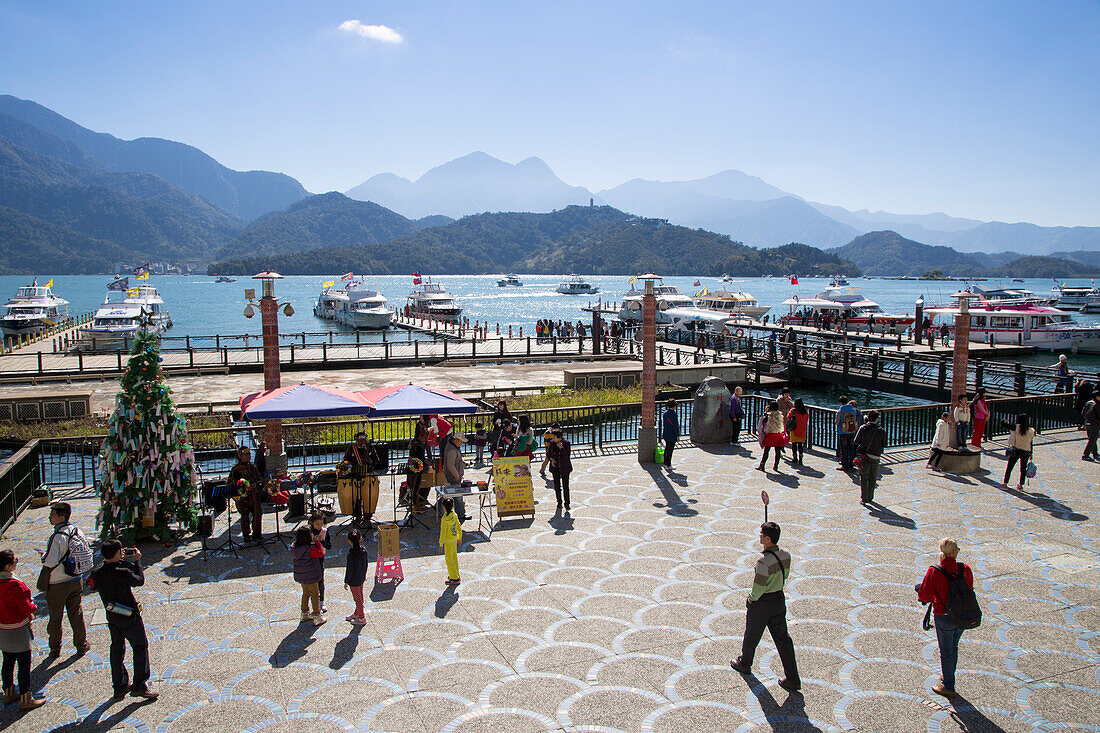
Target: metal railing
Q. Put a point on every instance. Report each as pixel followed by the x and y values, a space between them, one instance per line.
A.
pixel 20 475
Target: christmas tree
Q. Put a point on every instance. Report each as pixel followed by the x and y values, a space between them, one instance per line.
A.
pixel 148 476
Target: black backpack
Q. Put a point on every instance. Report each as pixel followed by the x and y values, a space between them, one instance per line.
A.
pixel 962 605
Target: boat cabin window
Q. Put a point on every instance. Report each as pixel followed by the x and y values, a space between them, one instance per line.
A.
pixel 1006 322
pixel 977 321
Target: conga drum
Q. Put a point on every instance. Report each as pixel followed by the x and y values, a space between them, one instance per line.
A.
pixel 345 492
pixel 370 494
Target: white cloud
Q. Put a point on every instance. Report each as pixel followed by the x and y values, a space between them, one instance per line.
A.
pixel 380 33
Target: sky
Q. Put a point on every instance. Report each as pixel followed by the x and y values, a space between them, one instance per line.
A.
pixel 987 110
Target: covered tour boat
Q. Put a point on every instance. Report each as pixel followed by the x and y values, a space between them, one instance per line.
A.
pixel 843 306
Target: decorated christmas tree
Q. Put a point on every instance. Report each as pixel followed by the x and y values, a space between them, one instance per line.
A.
pixel 148 476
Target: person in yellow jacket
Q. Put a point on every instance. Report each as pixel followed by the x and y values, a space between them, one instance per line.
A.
pixel 450 534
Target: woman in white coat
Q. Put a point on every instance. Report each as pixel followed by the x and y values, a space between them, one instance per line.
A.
pixel 941 443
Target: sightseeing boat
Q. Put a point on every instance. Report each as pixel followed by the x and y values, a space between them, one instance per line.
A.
pixel 1033 324
pixel 737 304
pixel 847 305
pixel 509 281
pixel 577 285
pixel 225 279
pixel 1072 298
pixel 355 306
pixel 32 309
pixel 431 300
pixel 673 309
pixel 123 316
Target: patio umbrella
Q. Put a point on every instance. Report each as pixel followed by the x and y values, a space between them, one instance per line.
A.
pixel 303 400
pixel 413 399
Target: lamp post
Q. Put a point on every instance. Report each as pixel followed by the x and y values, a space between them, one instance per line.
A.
pixel 918 321
pixel 269 322
pixel 647 431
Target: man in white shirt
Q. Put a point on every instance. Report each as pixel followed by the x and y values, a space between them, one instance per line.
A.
pixel 64 592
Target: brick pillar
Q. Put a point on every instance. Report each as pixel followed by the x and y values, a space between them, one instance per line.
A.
pixel 647 432
pixel 273 429
pixel 961 356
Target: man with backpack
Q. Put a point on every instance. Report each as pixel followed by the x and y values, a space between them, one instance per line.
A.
pixel 847 423
pixel 949 587
pixel 68 557
pixel 870 442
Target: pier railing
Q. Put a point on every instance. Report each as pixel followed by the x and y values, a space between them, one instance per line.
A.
pixel 319 445
pixel 20 475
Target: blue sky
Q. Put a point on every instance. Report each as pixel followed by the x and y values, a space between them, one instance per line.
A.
pixel 981 109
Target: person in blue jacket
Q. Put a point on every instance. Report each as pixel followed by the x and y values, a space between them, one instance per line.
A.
pixel 670 430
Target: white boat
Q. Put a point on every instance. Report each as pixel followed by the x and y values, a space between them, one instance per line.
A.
pixel 730 303
pixel 1032 324
pixel 119 319
pixel 354 305
pixel 838 281
pixel 576 285
pixel 509 281
pixel 843 304
pixel 431 300
pixel 32 309
pixel 727 279
pixel 673 309
pixel 1072 298
pixel 225 279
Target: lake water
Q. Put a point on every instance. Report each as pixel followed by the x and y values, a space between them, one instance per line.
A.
pixel 201 307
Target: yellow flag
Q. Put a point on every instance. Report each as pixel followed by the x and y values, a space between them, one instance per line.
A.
pixel 132 292
pixel 328 283
pixel 50 283
pixel 701 293
pixel 142 276
pixel 632 280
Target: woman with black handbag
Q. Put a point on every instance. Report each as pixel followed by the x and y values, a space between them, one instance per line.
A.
pixel 1020 448
pixel 798 423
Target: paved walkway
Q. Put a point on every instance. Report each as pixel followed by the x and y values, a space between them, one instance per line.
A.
pixel 624 615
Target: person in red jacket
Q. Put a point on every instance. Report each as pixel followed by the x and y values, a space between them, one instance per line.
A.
pixel 16 611
pixel 933 589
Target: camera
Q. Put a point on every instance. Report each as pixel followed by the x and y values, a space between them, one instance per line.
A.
pixel 129 551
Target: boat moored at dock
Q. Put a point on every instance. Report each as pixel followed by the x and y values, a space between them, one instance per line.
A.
pixel 844 306
pixel 1073 298
pixel 119 319
pixel 734 304
pixel 1032 324
pixel 431 300
pixel 354 305
pixel 33 308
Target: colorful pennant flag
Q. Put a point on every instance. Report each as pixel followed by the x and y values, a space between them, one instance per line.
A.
pixel 122 283
pixel 49 283
pixel 328 283
pixel 347 276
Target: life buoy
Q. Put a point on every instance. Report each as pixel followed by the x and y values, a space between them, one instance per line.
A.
pixel 726 332
pixel 739 333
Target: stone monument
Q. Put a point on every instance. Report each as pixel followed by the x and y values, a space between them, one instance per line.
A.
pixel 710 415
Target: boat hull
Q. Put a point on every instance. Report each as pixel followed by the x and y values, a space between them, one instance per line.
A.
pixel 1077 340
pixel 120 338
pixel 27 326
pixel 448 315
pixel 581 291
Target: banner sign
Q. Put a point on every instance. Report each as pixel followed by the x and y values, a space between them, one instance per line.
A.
pixel 515 493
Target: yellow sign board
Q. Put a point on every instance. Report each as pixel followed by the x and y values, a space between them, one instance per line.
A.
pixel 515 493
pixel 250 293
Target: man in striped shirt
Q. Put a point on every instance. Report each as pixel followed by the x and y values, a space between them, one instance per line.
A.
pixel 768 609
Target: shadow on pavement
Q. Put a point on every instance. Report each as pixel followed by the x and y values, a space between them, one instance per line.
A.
pixel 673 504
pixel 890 517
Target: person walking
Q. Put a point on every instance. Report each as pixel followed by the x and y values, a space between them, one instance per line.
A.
pixel 798 428
pixel 64 592
pixel 847 423
pixel 934 589
pixel 115 581
pixel 775 436
pixel 979 411
pixel 767 608
pixel 547 437
pixel 355 575
pixel 1021 443
pixel 870 442
pixel 670 431
pixel 307 553
pixel 16 612
pixel 1091 415
pixel 941 442
pixel 557 450
pixel 737 414
pixel 961 413
pixel 1063 374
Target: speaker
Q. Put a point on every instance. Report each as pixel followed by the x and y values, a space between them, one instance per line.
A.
pixel 206 525
pixel 378 459
pixel 296 507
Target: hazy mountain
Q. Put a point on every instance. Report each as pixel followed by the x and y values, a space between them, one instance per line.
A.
pixel 590 239
pixel 244 193
pixel 31 246
pixel 472 184
pixel 324 220
pixel 136 212
pixel 1030 238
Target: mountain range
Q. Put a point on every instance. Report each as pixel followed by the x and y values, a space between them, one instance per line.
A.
pixel 74 200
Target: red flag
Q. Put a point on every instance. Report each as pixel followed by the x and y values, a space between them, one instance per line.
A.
pixel 416 278
pixel 347 276
pixel 794 280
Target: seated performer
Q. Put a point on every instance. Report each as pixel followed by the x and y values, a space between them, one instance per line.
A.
pixel 249 483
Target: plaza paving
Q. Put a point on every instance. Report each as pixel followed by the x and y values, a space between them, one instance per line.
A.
pixel 623 616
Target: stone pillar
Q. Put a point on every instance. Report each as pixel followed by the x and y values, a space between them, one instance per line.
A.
pixel 647 432
pixel 961 350
pixel 273 429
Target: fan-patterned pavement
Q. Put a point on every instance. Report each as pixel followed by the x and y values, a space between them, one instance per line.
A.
pixel 623 615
